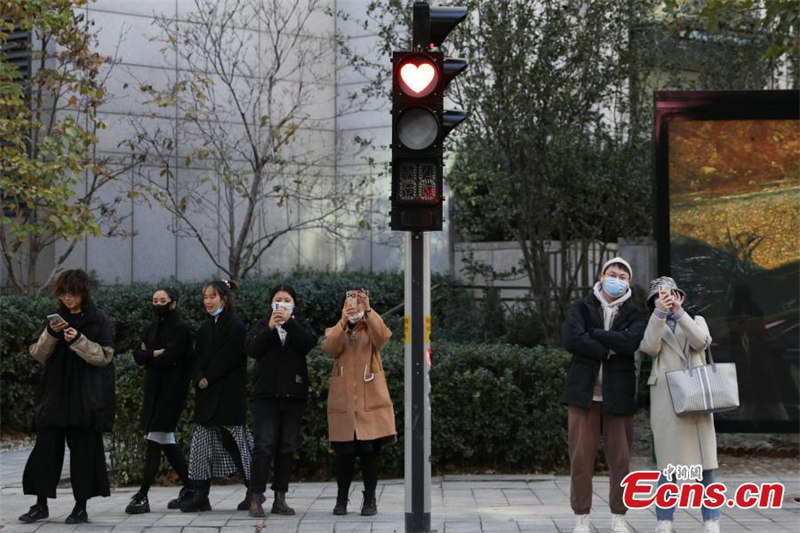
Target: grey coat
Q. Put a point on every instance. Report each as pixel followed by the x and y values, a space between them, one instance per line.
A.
pixel 678 440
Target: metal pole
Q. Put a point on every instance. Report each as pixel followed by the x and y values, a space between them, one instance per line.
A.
pixel 417 383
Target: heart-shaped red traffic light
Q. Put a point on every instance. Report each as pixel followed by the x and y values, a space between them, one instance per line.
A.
pixel 418 77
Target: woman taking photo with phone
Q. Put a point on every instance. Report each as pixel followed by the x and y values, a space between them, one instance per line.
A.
pixel 672 336
pixel 165 351
pixel 360 411
pixel 221 444
pixel 75 400
pixel 279 343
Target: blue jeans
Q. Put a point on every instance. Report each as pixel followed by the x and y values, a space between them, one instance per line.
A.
pixel 668 513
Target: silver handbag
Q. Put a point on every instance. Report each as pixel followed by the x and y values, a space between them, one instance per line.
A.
pixel 704 389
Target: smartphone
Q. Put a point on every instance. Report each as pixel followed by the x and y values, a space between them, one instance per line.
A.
pixel 55 318
pixel 352 299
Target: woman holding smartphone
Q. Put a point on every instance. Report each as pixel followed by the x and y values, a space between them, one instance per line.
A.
pixel 221 444
pixel 672 336
pixel 360 411
pixel 165 351
pixel 279 343
pixel 75 400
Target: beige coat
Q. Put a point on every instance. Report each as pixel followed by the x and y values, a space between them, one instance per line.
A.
pixel 358 403
pixel 678 440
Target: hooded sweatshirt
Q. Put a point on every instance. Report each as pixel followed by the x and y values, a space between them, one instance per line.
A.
pixel 610 310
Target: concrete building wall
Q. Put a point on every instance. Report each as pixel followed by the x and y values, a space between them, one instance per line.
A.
pixel 155 244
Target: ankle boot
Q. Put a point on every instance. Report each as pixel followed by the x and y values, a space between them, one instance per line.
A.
pixel 255 509
pixel 183 496
pixel 244 505
pixel 279 505
pixel 341 503
pixel 198 501
pixel 370 506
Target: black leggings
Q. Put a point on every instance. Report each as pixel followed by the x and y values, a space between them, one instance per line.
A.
pixel 153 460
pixel 345 459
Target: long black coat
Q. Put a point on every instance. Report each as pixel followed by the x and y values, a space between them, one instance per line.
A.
pixel 167 378
pixel 220 358
pixel 583 335
pixel 281 369
pixel 73 393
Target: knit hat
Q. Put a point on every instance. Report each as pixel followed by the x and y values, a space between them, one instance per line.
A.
pixel 617 260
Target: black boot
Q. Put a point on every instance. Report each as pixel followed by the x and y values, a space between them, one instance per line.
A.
pixel 255 509
pixel 183 496
pixel 370 506
pixel 37 511
pixel 279 505
pixel 341 503
pixel 244 505
pixel 198 501
pixel 138 505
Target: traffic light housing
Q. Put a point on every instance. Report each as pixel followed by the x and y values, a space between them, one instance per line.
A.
pixel 419 121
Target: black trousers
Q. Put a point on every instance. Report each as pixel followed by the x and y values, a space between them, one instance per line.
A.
pixel 277 433
pixel 87 463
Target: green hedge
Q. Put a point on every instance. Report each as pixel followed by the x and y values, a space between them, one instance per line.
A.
pixel 493 405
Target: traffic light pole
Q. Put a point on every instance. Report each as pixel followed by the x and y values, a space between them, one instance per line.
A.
pixel 417 380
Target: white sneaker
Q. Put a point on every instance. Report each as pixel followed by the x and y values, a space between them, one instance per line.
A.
pixel 581 524
pixel 664 526
pixel 711 526
pixel 618 524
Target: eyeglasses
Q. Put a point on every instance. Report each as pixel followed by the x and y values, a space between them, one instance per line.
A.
pixel 68 296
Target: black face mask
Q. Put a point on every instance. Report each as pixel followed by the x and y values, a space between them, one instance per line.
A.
pixel 162 311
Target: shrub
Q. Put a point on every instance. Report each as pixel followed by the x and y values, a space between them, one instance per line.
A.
pixel 493 405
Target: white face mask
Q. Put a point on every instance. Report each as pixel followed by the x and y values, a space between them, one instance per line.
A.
pixel 355 318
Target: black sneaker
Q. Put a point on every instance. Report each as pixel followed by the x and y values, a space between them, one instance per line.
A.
pixel 36 512
pixel 138 505
pixel 77 517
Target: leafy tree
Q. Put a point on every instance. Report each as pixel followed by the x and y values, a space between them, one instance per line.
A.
pixel 50 173
pixel 548 152
pixel 252 71
pixel 770 29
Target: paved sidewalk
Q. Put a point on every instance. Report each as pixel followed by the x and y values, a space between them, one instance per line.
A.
pixel 461 504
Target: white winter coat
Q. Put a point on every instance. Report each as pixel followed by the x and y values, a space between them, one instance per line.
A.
pixel 678 440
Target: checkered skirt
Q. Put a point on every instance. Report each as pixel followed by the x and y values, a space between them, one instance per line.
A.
pixel 209 459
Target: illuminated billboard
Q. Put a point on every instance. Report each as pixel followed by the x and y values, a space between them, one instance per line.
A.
pixel 728 231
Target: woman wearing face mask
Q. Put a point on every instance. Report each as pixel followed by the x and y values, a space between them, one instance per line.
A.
pixel 75 399
pixel 360 411
pixel 221 444
pixel 165 351
pixel 671 336
pixel 279 343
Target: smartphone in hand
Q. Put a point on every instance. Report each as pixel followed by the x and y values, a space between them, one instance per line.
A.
pixel 352 299
pixel 55 318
